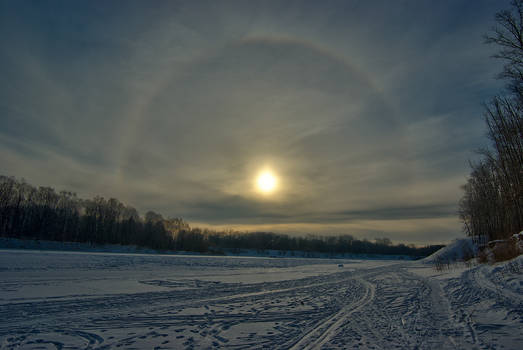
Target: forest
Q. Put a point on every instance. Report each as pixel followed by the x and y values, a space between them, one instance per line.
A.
pixel 492 206
pixel 28 212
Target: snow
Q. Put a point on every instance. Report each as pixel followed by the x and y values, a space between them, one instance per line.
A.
pixel 458 250
pixel 86 300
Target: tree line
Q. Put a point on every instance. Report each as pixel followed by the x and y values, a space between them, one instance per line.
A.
pixel 492 205
pixel 41 213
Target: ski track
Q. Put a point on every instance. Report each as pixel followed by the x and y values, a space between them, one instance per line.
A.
pixel 384 307
pixel 491 314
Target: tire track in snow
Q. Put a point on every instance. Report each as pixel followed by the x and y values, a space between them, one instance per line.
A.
pixel 479 277
pixel 146 310
pixel 407 311
pixel 486 310
pixel 324 331
pixel 384 307
pixel 188 297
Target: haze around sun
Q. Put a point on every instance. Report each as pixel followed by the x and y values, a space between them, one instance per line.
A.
pixel 366 112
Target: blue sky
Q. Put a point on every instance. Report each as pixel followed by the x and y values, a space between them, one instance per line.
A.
pixel 367 111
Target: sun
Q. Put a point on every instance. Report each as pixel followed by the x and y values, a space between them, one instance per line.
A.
pixel 266 182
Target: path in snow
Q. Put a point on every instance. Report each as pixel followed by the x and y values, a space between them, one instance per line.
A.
pixel 174 303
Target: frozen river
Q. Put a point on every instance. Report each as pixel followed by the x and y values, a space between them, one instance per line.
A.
pixel 65 300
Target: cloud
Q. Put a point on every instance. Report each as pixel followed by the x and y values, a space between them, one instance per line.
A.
pixel 367 112
pixel 240 210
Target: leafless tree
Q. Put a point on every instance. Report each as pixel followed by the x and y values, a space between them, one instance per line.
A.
pixel 492 207
pixel 508 35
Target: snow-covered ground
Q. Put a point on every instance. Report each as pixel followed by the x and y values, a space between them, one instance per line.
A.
pixel 73 300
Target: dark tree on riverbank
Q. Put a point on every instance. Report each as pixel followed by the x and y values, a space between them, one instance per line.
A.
pixel 492 206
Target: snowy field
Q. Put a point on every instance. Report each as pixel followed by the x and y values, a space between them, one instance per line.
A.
pixel 71 300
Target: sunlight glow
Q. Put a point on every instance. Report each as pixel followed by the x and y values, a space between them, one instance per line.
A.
pixel 266 182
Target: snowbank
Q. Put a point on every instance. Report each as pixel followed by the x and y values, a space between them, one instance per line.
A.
pixel 459 250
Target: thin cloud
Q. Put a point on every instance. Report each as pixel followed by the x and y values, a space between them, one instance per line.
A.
pixel 367 112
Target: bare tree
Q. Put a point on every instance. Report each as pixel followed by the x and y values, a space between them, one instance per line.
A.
pixel 492 207
pixel 508 35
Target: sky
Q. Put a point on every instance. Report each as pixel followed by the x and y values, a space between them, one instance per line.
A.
pixel 366 112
